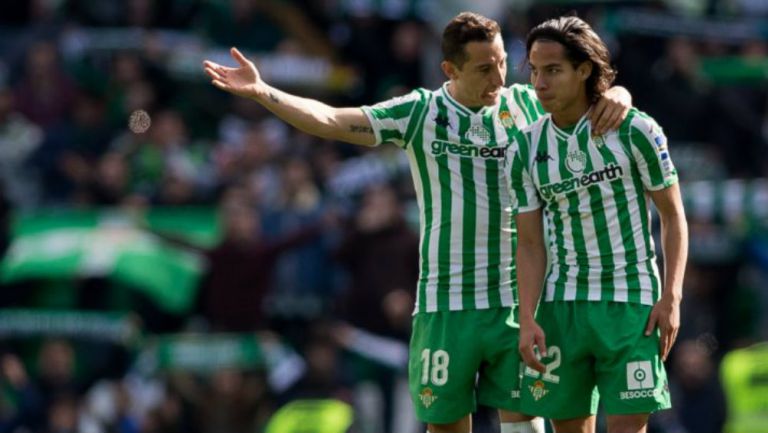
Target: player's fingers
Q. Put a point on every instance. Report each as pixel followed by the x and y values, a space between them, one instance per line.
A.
pixel 237 55
pixel 665 344
pixel 674 337
pixel 614 121
pixel 531 360
pixel 651 323
pixel 213 73
pixel 222 70
pixel 606 119
pixel 541 343
pixel 219 84
pixel 528 355
pixel 595 117
pixel 620 119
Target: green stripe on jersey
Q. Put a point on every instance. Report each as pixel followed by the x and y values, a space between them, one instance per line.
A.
pixel 596 206
pixel 467 240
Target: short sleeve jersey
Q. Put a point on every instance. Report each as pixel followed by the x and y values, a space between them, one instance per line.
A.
pixel 467 233
pixel 593 194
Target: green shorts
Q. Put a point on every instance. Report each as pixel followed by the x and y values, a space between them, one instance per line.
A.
pixel 461 358
pixel 596 351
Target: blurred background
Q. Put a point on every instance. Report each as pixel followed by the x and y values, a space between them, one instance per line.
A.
pixel 198 276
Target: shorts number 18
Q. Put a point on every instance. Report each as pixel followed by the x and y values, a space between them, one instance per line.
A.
pixel 434 365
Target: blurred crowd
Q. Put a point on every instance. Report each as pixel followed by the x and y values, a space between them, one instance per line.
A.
pixel 319 239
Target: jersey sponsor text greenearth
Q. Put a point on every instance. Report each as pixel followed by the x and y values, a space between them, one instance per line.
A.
pixel 610 172
pixel 440 147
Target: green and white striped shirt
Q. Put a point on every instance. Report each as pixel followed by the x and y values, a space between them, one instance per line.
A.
pixel 466 226
pixel 596 209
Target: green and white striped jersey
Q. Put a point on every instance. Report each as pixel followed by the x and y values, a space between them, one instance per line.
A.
pixel 466 226
pixel 596 209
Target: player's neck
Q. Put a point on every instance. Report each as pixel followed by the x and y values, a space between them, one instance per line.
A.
pixel 571 114
pixel 457 96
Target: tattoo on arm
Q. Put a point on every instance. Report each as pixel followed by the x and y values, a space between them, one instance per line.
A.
pixel 361 128
pixel 274 98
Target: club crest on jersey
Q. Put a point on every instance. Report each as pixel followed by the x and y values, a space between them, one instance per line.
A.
pixel 598 140
pixel 427 397
pixel 506 119
pixel 478 132
pixel 576 161
pixel 538 391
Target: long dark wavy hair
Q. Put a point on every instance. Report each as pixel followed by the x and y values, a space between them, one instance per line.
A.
pixel 581 44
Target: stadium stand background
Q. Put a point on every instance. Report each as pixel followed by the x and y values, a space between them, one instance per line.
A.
pixel 198 276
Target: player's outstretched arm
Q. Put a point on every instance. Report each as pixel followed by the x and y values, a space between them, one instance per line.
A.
pixel 674 245
pixel 309 115
pixel 531 262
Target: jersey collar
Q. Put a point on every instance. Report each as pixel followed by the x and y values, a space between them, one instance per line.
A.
pixel 459 107
pixel 580 125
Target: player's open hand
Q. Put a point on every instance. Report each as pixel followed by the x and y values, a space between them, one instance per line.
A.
pixel 610 110
pixel 665 315
pixel 531 338
pixel 243 80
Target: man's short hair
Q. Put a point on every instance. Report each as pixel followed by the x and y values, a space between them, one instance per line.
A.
pixel 464 28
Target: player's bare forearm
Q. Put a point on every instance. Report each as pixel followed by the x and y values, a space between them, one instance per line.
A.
pixel 308 115
pixel 531 263
pixel 674 240
pixel 317 118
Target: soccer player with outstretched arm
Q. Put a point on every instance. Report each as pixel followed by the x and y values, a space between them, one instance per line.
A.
pixel 464 345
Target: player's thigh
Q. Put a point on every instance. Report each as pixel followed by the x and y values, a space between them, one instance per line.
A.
pixel 567 389
pixel 442 368
pixel 627 423
pixel 630 373
pixel 575 425
pixel 498 383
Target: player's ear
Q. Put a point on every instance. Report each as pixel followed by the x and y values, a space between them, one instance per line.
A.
pixel 584 70
pixel 449 69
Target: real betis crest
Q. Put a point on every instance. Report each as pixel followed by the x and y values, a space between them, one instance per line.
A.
pixel 427 397
pixel 506 119
pixel 537 390
pixel 576 161
pixel 478 132
pixel 598 140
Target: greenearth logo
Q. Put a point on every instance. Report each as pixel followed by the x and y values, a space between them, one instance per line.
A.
pixel 445 147
pixel 609 173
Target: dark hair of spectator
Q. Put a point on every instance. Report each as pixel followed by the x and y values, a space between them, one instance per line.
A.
pixel 581 44
pixel 464 28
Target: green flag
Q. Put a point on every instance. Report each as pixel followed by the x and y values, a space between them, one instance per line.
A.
pixel 109 244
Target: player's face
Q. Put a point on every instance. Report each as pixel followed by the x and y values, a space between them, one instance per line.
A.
pixel 559 85
pixel 481 78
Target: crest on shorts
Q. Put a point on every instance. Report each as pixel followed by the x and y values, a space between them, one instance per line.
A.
pixel 427 397
pixel 537 390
